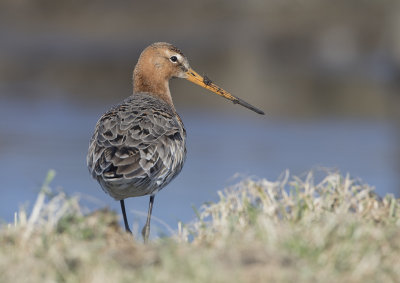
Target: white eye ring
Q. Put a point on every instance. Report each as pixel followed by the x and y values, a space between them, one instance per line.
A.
pixel 173 59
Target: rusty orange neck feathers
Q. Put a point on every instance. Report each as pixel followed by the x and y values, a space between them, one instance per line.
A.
pixel 152 75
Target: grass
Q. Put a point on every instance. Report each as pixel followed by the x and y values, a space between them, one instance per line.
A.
pixel 291 230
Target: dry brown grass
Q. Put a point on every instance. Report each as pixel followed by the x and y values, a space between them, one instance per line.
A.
pixel 291 230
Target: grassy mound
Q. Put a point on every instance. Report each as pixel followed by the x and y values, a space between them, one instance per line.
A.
pixel 291 230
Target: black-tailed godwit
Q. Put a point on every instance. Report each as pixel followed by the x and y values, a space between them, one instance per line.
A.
pixel 138 146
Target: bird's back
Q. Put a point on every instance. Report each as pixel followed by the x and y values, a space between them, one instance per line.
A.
pixel 137 148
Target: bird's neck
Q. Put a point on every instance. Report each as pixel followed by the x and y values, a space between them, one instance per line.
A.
pixel 155 85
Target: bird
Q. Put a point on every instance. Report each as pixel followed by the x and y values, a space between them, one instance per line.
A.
pixel 139 146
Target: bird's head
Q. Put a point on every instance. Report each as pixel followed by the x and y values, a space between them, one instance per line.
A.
pixel 162 61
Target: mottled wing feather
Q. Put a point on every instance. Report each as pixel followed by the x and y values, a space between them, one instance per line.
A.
pixel 137 148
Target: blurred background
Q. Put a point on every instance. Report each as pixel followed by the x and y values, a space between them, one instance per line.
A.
pixel 327 73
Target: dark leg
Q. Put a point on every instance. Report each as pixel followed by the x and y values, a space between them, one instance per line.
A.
pixel 146 228
pixel 124 215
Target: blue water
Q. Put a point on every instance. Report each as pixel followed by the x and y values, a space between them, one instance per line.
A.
pixel 223 148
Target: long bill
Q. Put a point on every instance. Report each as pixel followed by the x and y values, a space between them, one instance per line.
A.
pixel 194 77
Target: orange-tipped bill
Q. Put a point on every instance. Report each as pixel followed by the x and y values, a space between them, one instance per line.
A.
pixel 205 82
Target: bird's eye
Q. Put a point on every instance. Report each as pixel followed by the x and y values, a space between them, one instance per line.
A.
pixel 173 59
